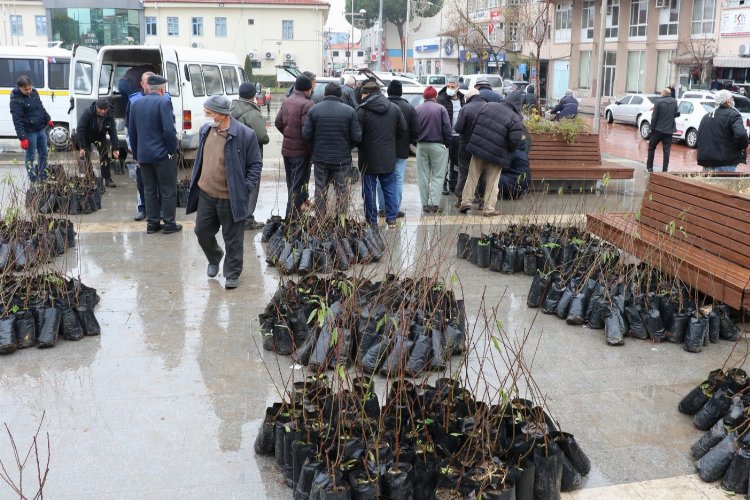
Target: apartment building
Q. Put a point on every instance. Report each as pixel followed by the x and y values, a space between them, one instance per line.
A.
pixel 269 32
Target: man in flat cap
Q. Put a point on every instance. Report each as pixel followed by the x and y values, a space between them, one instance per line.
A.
pixel 94 125
pixel 153 140
pixel 295 150
pixel 227 169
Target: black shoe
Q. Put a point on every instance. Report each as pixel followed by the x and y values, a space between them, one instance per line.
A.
pixel 110 183
pixel 154 229
pixel 252 225
pixel 231 283
pixel 400 215
pixel 427 209
pixel 391 224
pixel 212 271
pixel 139 216
pixel 445 191
pixel 172 229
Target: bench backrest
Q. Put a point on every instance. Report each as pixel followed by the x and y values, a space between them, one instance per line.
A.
pixel 548 149
pixel 706 216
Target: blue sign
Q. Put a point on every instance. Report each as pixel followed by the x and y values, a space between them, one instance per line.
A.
pixel 427 48
pixel 522 68
pixel 533 71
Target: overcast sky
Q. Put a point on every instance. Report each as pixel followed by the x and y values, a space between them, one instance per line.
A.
pixel 336 16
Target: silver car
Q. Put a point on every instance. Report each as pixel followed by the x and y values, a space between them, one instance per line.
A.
pixel 629 108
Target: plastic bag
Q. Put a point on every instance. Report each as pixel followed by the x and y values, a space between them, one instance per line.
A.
pixel 552 299
pixel 319 357
pixel 695 399
pixel 653 323
pixel 25 329
pixel 547 475
pixel 680 324
pixel 483 254
pixel 471 256
pixel 88 321
pixel 709 440
pixel 529 263
pixel 714 327
pixel 462 245
pixel 496 259
pixel 736 476
pixel 420 356
pixel 713 464
pixel 71 326
pixel 712 411
pixel 509 259
pixel 614 326
pixel 563 305
pixel 8 336
pixel 49 325
pixel 520 257
pixel 577 310
pixel 398 357
pixel 375 356
pixel 538 291
pixel 697 329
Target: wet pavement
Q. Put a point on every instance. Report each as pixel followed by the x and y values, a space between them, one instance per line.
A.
pixel 166 403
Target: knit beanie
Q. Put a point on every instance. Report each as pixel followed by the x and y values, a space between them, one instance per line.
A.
pixel 247 90
pixel 395 88
pixel 430 93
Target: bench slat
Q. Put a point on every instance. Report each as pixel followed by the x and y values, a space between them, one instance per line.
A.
pixel 704 191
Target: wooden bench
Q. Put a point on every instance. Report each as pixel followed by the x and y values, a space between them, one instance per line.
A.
pixel 693 230
pixel 551 158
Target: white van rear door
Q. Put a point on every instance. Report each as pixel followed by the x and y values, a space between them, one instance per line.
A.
pixel 171 71
pixel 83 67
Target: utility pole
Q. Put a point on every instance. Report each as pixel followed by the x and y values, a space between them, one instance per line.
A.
pixel 380 38
pixel 406 36
pixel 600 69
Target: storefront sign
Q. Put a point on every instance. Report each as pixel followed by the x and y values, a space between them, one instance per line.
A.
pixel 735 22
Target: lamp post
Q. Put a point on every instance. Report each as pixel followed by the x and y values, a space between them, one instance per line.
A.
pixel 406 37
pixel 440 37
pixel 361 12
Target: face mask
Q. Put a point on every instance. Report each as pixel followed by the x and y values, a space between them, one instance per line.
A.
pixel 213 124
pixel 450 92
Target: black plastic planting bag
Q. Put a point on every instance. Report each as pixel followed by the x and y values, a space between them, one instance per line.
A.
pixel 323 486
pixel 563 306
pixel 573 451
pixel 712 411
pixel 614 326
pixel 342 256
pixel 364 486
pixel 265 440
pixel 303 352
pixel 553 297
pixel 653 323
pixel 496 259
pixel 736 476
pixel 399 481
pixel 398 357
pixel 637 328
pixel 342 348
pixel 538 290
pixel 49 326
pixel 306 261
pixel 375 356
pixel 88 321
pixel 714 327
pixel 577 310
pixel 309 469
pixel 483 254
pixel 735 415
pixel 529 263
pixel 71 326
pixel 727 329
pixel 455 339
pixel 571 479
pixel 709 440
pixel 713 464
pixel 520 256
pixel 697 329
pixel 4 255
pixel 667 309
pixel 301 452
pixel 462 246
pixel 8 338
pixel 695 399
pixel 596 313
pixel 319 357
pixel 471 255
pixel 547 475
pixel 25 329
pixel 509 259
pixel 440 352
pixel 420 355
pixel 680 324
pixel 283 339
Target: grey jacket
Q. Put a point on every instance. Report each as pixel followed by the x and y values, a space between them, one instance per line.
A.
pixel 348 97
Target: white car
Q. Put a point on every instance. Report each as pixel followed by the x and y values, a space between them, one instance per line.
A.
pixel 630 108
pixel 691 113
pixel 706 95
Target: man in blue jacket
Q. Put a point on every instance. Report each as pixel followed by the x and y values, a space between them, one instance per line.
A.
pixel 30 119
pixel 227 169
pixel 153 141
pixel 567 107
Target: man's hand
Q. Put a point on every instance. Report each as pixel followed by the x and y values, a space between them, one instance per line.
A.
pixel 24 144
pixel 81 153
pixel 116 154
pixel 51 123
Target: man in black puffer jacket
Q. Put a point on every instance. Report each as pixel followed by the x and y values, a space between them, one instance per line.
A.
pixel 722 139
pixel 497 133
pixel 467 119
pixel 382 125
pixel 30 120
pixel 662 128
pixel 333 129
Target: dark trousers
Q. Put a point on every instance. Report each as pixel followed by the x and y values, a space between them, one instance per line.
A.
pixel 102 147
pixel 297 178
pixel 369 193
pixel 160 180
pixel 463 173
pixel 325 175
pixel 666 146
pixel 254 194
pixel 214 213
pixel 451 175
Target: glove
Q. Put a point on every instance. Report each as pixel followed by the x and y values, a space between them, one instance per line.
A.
pixel 51 123
pixel 24 144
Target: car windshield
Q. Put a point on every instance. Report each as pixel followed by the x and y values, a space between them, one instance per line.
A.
pixel 742 104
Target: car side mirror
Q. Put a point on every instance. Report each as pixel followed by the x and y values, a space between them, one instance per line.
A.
pixel 617 102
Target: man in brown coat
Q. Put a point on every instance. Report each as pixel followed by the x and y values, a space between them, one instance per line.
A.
pixel 296 152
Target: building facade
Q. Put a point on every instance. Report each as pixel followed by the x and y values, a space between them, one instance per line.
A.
pixel 268 32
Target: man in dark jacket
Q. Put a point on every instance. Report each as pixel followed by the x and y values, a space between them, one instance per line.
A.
pixel 382 125
pixel 567 107
pixel 94 125
pixel 227 169
pixel 30 119
pixel 294 149
pixel 347 92
pixel 467 119
pixel 246 111
pixel 662 128
pixel 497 133
pixel 722 139
pixel 515 179
pixel 452 99
pixel 433 141
pixel 333 129
pixel 484 88
pixel 403 144
pixel 153 140
pixel 529 96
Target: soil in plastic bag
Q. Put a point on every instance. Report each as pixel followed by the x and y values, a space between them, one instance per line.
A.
pixel 653 323
pixel 509 259
pixel 319 357
pixel 667 309
pixel 49 326
pixel 577 311
pixel 323 486
pixel 71 326
pixel 375 356
pixel 709 440
pixel 712 411
pixel 614 326
pixel 8 337
pixel 529 263
pixel 483 254
pixel 301 452
pixel 342 348
pixel 496 259
pixel 303 352
pixel 520 256
pixel 736 476
pixel 563 306
pixel 88 321
pixel 523 478
pixel 714 464
pixel 547 475
pixel 697 329
pixel 553 297
pixel 398 357
pixel 735 415
pixel 265 440
pixel 462 249
pixel 537 291
pixel 695 399
pixel 399 481
pixel 571 478
pixel 727 329
pixel 714 327
pixel 471 255
pixel 425 477
pixel 680 324
pixel 26 329
pixel 365 486
pixel 568 444
pixel 282 338
pixel 309 469
pixel 420 356
pixel 597 313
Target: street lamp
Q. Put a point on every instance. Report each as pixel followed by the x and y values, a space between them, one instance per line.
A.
pixel 361 12
pixel 440 35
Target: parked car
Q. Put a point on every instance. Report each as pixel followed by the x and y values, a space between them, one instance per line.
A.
pixel 629 108
pixel 691 112
pixel 698 94
pixel 496 81
pixel 434 80
pixel 320 87
pixel 405 80
pixel 509 84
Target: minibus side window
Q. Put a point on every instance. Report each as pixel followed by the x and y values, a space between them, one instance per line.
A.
pixel 243 76
pixel 173 80
pixel 231 83
pixel 84 74
pixel 196 79
pixel 212 79
pixel 59 73
pixel 105 75
pixel 11 69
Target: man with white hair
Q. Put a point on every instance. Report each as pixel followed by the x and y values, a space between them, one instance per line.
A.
pixel 567 107
pixel 347 91
pixel 722 139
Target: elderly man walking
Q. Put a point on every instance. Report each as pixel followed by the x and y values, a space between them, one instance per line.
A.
pixel 227 169
pixel 433 141
pixel 662 128
pixel 333 129
pixel 153 140
pixel 722 139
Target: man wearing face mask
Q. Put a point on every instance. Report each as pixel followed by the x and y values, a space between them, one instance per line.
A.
pixel 227 169
pixel 453 99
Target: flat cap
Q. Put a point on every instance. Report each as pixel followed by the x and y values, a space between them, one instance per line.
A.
pixel 156 80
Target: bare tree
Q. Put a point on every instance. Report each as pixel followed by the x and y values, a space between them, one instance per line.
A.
pixel 696 52
pixel 533 21
pixel 471 32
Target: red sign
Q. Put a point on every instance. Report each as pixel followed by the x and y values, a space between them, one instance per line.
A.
pixel 494 13
pixel 490 28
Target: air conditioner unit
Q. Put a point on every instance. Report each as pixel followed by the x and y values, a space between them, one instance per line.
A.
pixel 197 45
pixel 289 56
pixel 269 55
pixel 745 49
pixel 663 4
pixel 253 55
pixel 516 47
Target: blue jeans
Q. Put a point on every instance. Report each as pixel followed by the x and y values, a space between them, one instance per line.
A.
pixel 400 169
pixel 37 144
pixel 727 168
pixel 388 183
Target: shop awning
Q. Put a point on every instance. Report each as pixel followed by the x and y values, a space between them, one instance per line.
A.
pixel 731 62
